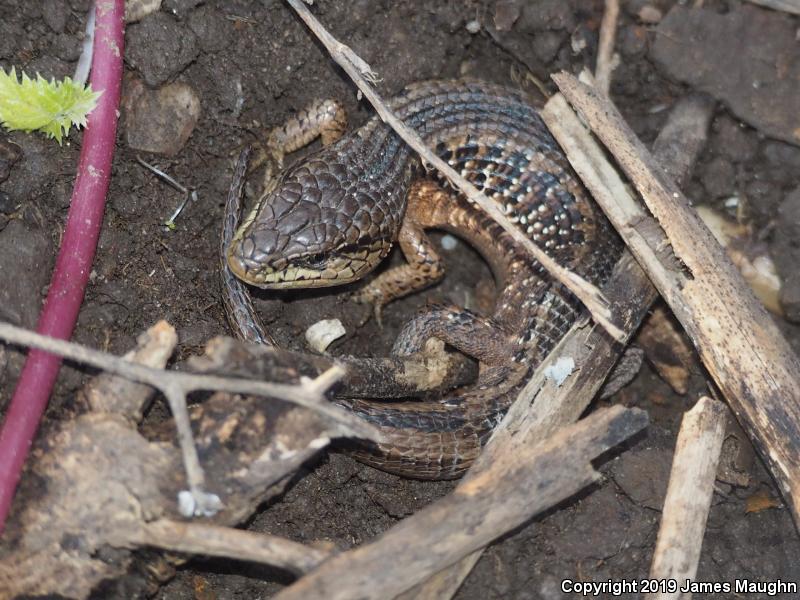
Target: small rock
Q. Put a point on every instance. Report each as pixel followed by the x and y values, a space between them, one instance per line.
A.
pixel 506 13
pixel 719 177
pixel 136 10
pixel 160 121
pixel 650 14
pixel 160 48
pixel 632 41
pixel 26 257
pixel 473 26
pixel 547 14
pixel 54 13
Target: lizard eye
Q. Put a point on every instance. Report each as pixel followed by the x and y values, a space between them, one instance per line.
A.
pixel 317 261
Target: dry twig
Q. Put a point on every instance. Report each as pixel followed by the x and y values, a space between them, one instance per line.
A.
pixel 790 6
pixel 736 338
pixel 227 542
pixel 606 59
pixel 175 386
pixel 359 71
pixel 99 483
pixel 594 353
pixel 691 486
pixel 509 492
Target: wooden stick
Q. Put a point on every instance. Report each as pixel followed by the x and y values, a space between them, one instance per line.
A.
pixel 357 69
pixel 507 494
pixel 175 386
pixel 594 353
pixel 790 6
pixel 739 343
pixel 605 49
pixel 688 500
pixel 214 540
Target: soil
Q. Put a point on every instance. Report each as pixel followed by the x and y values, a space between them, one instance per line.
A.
pixel 252 65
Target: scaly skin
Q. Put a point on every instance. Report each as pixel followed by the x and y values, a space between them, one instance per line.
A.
pixel 333 217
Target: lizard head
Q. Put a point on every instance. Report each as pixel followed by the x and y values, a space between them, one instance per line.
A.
pixel 310 230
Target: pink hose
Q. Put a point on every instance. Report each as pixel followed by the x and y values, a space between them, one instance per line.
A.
pixel 76 254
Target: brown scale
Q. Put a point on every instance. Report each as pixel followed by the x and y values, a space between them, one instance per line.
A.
pixel 332 217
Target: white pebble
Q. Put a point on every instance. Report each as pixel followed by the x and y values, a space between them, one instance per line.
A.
pixel 323 333
pixel 449 242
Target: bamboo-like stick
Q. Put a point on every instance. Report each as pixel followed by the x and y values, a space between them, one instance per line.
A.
pixel 739 343
pixel 507 494
pixel 688 500
pixel 630 293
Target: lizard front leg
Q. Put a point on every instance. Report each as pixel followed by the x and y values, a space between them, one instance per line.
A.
pixel 425 208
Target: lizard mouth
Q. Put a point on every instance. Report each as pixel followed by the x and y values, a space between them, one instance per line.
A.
pixel 309 271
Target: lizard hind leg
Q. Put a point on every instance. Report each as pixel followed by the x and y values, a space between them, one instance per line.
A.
pixel 427 206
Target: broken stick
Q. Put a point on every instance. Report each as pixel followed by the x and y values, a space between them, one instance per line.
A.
pixel 507 494
pixel 691 486
pixel 739 343
pixel 595 353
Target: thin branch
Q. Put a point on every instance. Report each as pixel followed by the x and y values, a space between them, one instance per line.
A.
pixel 175 386
pixel 594 353
pixel 227 542
pixel 606 60
pixel 511 491
pixel 306 395
pixel 738 341
pixel 359 71
pixel 691 487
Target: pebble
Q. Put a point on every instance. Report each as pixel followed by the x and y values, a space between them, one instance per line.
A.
pixel 160 121
pixel 546 44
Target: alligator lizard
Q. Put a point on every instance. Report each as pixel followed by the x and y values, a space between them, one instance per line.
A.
pixel 332 217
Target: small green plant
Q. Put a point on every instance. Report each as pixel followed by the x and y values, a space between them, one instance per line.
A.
pixel 51 107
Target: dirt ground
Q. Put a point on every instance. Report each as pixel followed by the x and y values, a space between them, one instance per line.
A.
pixel 252 64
